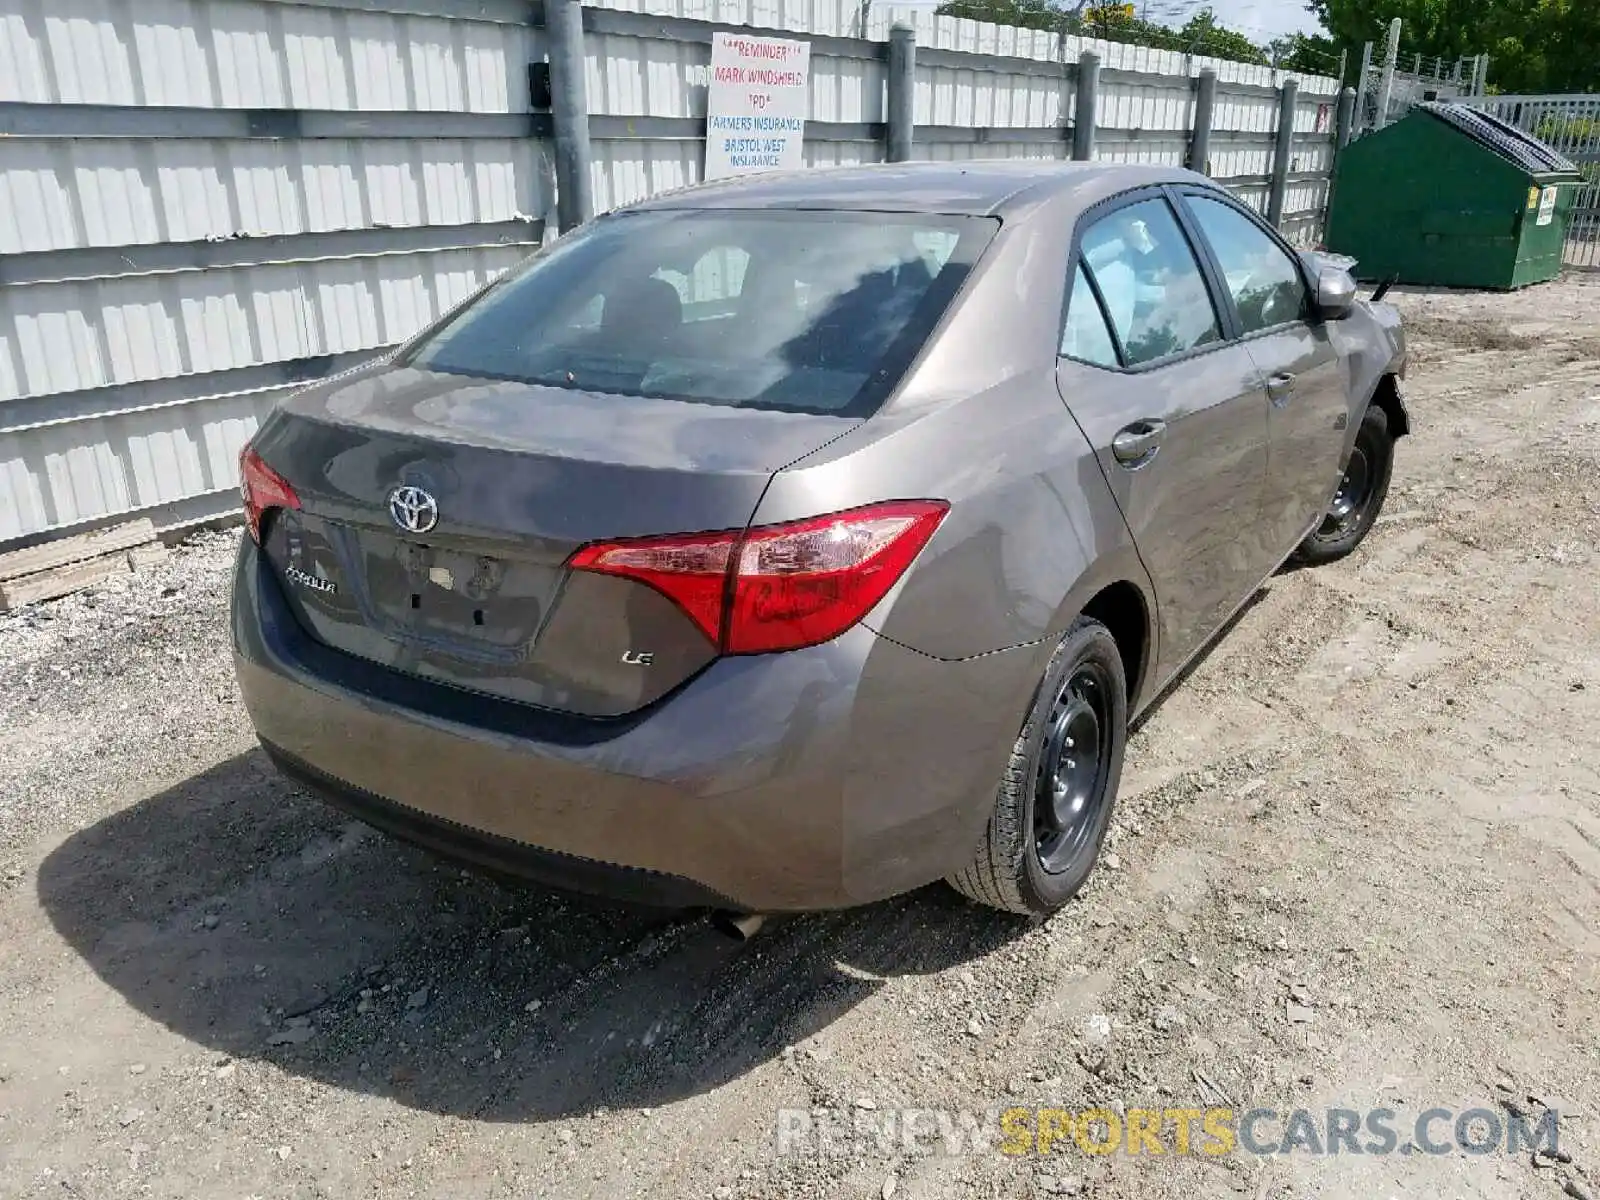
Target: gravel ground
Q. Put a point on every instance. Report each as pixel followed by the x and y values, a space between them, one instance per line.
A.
pixel 1357 864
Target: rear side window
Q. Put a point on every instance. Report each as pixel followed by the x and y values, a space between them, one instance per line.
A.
pixel 1085 336
pixel 804 311
pixel 1263 280
pixel 1155 294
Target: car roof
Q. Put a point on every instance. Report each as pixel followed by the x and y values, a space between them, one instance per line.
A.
pixel 974 188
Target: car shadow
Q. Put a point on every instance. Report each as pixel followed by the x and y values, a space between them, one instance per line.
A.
pixel 253 920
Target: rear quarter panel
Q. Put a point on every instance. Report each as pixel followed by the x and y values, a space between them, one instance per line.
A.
pixel 1033 531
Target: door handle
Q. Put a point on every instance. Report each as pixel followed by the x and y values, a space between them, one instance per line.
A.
pixel 1137 444
pixel 1280 388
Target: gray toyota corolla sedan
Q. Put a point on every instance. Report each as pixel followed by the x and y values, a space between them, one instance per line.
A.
pixel 793 542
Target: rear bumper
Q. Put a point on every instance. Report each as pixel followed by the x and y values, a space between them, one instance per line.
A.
pixel 486 850
pixel 821 778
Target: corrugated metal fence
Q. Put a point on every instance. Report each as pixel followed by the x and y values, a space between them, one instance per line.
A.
pixel 204 203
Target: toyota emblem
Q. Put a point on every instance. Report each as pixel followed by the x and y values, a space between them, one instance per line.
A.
pixel 413 509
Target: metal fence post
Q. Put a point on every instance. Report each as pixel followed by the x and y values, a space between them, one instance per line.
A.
pixel 1344 122
pixel 1391 60
pixel 1205 104
pixel 901 86
pixel 1363 88
pixel 1344 130
pixel 1290 93
pixel 569 113
pixel 1084 105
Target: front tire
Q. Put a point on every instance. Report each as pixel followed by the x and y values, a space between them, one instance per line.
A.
pixel 1054 802
pixel 1360 497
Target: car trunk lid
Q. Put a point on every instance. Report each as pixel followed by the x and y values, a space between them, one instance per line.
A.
pixel 438 513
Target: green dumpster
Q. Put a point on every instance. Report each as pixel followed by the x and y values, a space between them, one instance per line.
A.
pixel 1454 197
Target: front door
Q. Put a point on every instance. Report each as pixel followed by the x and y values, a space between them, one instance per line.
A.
pixel 1176 415
pixel 1306 419
pixel 1300 371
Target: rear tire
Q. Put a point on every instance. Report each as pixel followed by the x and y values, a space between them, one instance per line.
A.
pixel 1361 494
pixel 1054 802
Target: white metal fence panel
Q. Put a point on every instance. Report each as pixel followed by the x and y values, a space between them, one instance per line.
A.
pixel 54 476
pixel 62 337
pixel 231 265
pixel 257 54
pixel 61 193
pixel 987 96
pixel 272 190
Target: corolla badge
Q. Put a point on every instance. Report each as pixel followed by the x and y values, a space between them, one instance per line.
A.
pixel 413 509
pixel 315 582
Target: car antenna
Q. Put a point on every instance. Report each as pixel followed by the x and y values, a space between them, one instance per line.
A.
pixel 1383 288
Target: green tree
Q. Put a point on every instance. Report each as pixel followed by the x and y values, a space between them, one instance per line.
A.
pixel 1533 45
pixel 1312 54
pixel 1028 14
pixel 1202 35
pixel 1115 23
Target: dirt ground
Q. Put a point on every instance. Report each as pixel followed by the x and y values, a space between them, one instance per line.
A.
pixel 1357 865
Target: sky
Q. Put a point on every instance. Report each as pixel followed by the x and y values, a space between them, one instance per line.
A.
pixel 1258 19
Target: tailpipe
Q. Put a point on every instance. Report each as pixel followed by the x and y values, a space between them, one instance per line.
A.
pixel 741 927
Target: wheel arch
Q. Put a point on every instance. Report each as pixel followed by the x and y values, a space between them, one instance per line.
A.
pixel 1118 593
pixel 1387 397
pixel 1122 608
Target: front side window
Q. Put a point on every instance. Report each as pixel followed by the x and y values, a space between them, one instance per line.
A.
pixel 1155 293
pixel 805 311
pixel 1263 280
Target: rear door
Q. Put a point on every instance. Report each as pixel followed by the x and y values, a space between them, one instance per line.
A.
pixel 1174 410
pixel 1300 370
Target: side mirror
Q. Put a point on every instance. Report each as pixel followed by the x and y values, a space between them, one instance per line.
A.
pixel 1336 293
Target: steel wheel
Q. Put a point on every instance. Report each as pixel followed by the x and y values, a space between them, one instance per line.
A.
pixel 1351 500
pixel 1070 787
pixel 1359 500
pixel 1055 797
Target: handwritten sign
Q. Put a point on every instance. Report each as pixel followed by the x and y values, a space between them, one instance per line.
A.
pixel 756 105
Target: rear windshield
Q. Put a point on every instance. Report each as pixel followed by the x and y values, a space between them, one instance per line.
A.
pixel 800 311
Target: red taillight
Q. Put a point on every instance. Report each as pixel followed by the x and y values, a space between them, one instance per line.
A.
pixel 261 488
pixel 693 571
pixel 807 582
pixel 778 587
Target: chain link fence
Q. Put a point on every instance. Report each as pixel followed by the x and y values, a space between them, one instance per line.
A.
pixel 1413 81
pixel 1391 83
pixel 1571 125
